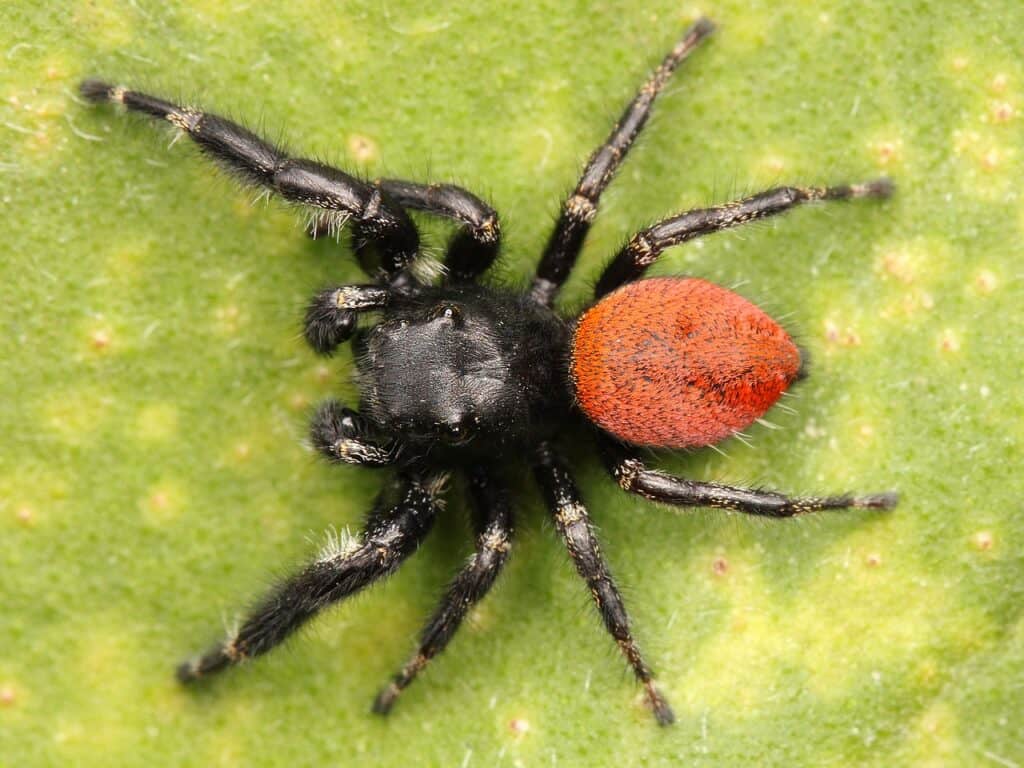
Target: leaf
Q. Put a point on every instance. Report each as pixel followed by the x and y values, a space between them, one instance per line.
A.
pixel 153 477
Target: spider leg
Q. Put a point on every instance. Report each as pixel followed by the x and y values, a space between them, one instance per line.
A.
pixel 645 246
pixel 378 221
pixel 633 475
pixel 493 523
pixel 574 525
pixel 580 207
pixel 346 437
pixel 473 247
pixel 392 533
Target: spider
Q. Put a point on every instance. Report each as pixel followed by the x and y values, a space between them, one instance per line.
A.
pixel 460 376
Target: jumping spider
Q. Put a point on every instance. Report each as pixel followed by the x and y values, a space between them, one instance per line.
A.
pixel 459 375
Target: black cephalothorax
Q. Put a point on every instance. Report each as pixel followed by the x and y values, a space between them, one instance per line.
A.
pixel 454 375
pixel 465 363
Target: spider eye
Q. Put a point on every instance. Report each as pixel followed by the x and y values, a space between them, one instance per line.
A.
pixel 458 432
pixel 447 312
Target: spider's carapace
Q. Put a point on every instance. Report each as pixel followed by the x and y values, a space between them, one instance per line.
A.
pixel 679 363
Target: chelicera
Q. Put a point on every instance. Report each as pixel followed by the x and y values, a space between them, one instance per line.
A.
pixel 461 376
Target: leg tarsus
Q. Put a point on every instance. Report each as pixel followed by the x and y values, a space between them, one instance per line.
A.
pixel 209 663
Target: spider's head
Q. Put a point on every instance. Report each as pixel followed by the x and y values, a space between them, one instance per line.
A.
pixel 453 366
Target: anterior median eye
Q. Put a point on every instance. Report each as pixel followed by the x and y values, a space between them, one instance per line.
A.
pixel 458 432
pixel 447 312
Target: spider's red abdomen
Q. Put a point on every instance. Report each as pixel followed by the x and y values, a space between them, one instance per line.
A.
pixel 678 362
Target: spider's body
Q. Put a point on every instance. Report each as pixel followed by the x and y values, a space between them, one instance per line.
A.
pixel 477 369
pixel 460 376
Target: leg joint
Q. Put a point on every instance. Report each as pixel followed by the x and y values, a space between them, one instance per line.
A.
pixel 581 208
pixel 488 230
pixel 495 541
pixel 569 513
pixel 642 250
pixel 626 473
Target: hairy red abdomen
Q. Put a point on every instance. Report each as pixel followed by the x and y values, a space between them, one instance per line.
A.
pixel 678 362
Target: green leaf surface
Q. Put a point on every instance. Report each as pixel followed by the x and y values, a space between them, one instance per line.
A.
pixel 155 386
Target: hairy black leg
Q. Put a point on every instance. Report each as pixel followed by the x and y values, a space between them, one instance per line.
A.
pixel 472 249
pixel 331 315
pixel 346 437
pixel 633 475
pixel 377 220
pixel 574 525
pixel 645 246
pixel 393 531
pixel 493 523
pixel 580 207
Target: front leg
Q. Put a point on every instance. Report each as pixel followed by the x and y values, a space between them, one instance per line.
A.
pixel 634 476
pixel 377 220
pixel 573 523
pixel 473 247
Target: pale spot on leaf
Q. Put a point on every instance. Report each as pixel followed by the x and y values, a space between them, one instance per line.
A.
pixel 75 415
pixel 887 152
pixel 1002 112
pixel 719 566
pixel 949 341
pixel 228 319
pixel 162 503
pixel 983 541
pixel 363 149
pixel 157 422
pixel 100 339
pixel 901 264
pixel 985 281
pixel 841 336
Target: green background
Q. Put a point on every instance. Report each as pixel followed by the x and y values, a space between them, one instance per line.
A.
pixel 155 386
